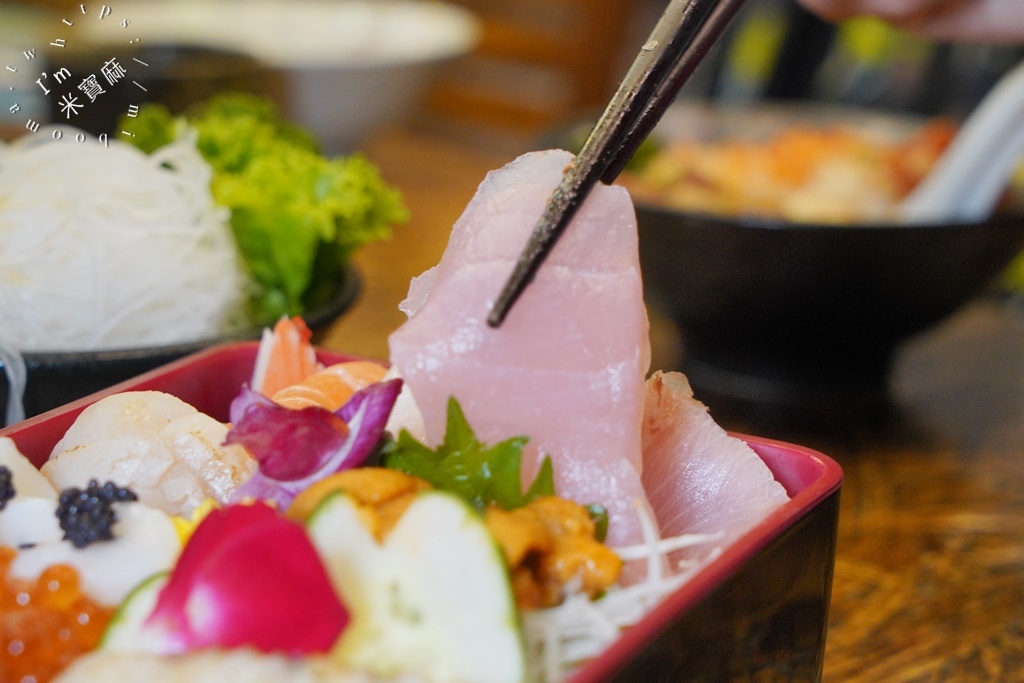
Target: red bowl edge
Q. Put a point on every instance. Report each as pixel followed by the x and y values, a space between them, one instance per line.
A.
pixel 809 476
pixel 36 436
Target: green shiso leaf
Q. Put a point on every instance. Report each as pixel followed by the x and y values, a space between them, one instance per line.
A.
pixel 599 514
pixel 483 475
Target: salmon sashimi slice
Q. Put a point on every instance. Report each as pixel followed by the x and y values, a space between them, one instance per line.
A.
pixel 286 356
pixel 567 367
pixel 700 479
pixel 331 387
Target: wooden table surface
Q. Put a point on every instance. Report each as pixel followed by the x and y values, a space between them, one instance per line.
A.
pixel 929 574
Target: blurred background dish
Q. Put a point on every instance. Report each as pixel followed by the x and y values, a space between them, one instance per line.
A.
pixel 807 162
pixel 342 68
pixel 339 69
pixel 801 314
pixel 315 208
pixel 805 318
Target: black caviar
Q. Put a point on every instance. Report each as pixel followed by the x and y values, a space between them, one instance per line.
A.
pixel 6 486
pixel 88 516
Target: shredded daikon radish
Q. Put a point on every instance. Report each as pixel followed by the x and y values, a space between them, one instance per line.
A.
pixel 559 639
pixel 103 246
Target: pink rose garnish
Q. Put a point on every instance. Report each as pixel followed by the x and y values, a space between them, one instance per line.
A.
pixel 248 577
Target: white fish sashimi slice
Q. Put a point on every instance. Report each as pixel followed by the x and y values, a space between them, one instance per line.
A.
pixel 699 479
pixel 567 367
pixel 419 289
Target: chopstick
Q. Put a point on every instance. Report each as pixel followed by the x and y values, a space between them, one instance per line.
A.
pixel 681 38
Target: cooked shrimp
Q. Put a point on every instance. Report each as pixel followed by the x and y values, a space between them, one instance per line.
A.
pixel 286 357
pixel 331 387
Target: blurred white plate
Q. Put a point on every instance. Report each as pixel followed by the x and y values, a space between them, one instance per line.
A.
pixel 350 65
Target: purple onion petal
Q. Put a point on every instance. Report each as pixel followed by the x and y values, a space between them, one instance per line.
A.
pixel 246 400
pixel 289 444
pixel 296 450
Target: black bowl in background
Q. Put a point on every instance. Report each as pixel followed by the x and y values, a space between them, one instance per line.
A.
pixel 783 321
pixel 800 316
pixel 56 378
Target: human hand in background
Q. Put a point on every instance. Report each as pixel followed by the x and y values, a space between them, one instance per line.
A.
pixel 982 20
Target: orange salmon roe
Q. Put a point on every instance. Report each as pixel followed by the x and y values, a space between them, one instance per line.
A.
pixel 44 624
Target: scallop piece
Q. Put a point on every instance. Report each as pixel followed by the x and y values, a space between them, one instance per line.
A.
pixel 171 455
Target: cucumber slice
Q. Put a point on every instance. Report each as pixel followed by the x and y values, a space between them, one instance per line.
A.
pixel 125 633
pixel 434 599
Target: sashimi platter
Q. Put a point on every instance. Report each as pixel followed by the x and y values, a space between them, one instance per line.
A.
pixel 530 503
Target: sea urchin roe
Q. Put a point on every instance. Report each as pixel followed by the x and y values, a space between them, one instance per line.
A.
pixel 369 486
pixel 550 544
pixel 46 623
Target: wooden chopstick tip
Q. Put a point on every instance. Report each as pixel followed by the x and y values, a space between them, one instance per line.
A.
pixel 496 317
pixel 503 304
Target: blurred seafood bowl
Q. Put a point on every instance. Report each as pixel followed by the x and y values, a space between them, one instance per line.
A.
pixel 342 68
pixel 768 237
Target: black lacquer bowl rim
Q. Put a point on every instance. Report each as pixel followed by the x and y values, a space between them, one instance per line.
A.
pixel 346 292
